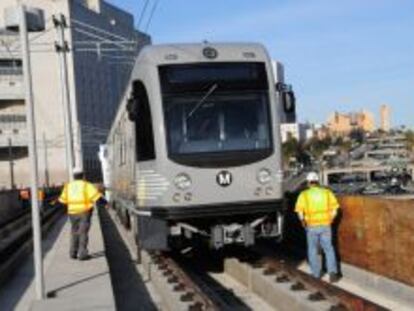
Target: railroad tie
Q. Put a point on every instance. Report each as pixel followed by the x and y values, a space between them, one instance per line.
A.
pixel 316 296
pixel 198 306
pixel 179 287
pixel 298 286
pixel 187 297
pixel 283 278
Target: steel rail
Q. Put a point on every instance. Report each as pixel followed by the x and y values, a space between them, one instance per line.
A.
pixel 189 291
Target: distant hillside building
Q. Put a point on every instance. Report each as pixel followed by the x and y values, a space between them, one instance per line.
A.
pixel 342 124
pixel 385 113
pixel 103 45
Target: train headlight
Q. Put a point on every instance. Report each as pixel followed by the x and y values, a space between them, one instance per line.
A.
pixel 182 181
pixel 264 176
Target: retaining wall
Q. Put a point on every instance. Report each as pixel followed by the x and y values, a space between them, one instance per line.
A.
pixel 377 235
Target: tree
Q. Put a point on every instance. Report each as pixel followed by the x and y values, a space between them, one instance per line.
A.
pixel 290 148
pixel 317 146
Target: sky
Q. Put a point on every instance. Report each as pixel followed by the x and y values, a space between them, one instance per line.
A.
pixel 338 55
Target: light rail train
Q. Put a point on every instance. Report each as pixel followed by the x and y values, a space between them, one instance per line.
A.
pixel 194 152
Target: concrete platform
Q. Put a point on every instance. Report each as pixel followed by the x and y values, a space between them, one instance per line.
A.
pixel 70 284
pixel 78 285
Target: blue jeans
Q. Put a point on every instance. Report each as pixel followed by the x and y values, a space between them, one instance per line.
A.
pixel 321 235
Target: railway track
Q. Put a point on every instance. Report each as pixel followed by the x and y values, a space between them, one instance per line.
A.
pixel 16 239
pixel 174 282
pixel 177 282
pixel 289 288
pixel 281 286
pixel 184 281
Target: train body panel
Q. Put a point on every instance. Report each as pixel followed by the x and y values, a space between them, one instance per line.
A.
pixel 195 147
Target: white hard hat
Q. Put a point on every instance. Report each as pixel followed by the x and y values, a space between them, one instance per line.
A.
pixel 312 177
pixel 77 170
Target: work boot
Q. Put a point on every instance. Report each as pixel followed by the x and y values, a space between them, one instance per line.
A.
pixel 334 277
pixel 73 256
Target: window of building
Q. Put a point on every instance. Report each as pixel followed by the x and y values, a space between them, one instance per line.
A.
pixel 10 67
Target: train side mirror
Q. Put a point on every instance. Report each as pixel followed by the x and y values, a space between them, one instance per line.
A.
pixel 287 96
pixel 132 108
pixel 289 101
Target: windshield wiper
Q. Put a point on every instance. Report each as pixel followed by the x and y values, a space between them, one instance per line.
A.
pixel 208 93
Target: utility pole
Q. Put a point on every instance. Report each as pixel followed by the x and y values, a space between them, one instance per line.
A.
pixel 31 127
pixel 62 48
pixel 12 185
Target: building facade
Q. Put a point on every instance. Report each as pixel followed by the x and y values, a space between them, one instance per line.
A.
pixel 299 131
pixel 385 118
pixel 103 44
pixel 343 124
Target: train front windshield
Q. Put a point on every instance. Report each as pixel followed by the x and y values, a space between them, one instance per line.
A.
pixel 215 110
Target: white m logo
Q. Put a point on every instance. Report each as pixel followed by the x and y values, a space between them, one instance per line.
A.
pixel 224 178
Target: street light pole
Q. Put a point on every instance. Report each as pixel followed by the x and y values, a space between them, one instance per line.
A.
pixel 38 264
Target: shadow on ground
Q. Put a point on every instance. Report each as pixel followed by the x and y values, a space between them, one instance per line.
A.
pixel 129 289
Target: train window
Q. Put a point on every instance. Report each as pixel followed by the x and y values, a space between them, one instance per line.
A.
pixel 145 148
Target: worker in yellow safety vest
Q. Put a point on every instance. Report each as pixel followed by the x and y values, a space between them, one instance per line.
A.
pixel 317 207
pixel 80 196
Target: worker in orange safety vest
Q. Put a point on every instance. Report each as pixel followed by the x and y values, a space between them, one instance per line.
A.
pixel 24 196
pixel 80 196
pixel 317 207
